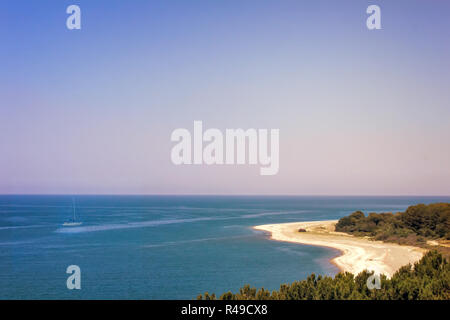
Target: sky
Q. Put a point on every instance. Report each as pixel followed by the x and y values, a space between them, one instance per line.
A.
pixel 91 111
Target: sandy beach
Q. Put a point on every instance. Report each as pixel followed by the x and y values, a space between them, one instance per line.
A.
pixel 357 253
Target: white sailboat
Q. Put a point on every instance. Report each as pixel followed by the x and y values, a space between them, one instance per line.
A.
pixel 73 222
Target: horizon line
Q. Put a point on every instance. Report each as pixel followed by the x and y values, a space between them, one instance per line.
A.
pixel 222 194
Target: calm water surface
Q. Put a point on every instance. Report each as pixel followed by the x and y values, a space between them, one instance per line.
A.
pixel 163 247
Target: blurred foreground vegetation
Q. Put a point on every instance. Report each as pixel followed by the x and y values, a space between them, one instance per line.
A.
pixel 428 279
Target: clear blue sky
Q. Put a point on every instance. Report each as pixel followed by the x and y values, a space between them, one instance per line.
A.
pixel 92 110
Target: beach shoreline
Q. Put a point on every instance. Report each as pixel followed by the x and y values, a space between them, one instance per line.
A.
pixel 357 253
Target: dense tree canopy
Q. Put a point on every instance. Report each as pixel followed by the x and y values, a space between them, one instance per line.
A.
pixel 415 225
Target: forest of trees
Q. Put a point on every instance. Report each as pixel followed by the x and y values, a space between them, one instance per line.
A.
pixel 428 279
pixel 414 226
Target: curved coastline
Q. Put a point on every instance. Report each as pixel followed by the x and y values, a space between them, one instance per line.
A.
pixel 357 254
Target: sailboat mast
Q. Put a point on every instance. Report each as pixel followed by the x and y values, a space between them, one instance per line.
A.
pixel 73 206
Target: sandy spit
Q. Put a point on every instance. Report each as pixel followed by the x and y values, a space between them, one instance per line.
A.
pixel 358 253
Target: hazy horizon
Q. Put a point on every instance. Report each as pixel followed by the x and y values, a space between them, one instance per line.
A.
pixel 231 195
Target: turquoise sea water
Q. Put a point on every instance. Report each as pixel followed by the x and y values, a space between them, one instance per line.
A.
pixel 163 247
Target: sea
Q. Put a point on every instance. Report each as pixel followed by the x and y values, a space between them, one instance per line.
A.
pixel 163 247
